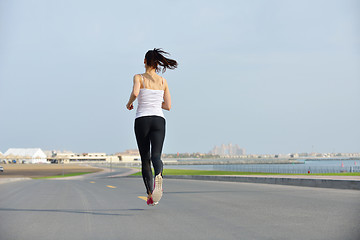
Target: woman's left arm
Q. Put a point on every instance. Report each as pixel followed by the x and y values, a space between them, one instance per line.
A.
pixel 134 93
pixel 166 104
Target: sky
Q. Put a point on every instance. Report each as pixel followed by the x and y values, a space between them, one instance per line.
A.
pixel 271 76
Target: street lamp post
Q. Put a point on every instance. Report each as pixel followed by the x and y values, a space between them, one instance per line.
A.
pixel 110 164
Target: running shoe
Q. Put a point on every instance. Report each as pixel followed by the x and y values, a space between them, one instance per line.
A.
pixel 157 193
pixel 150 202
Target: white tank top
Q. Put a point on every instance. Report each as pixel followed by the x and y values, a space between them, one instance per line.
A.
pixel 149 102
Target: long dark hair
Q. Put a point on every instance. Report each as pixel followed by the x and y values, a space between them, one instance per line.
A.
pixel 155 58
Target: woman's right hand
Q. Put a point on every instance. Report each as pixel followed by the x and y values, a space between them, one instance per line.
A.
pixel 130 106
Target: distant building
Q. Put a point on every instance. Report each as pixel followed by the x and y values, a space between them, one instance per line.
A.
pixel 70 157
pixel 129 155
pixel 228 150
pixel 129 152
pixel 79 157
pixel 25 155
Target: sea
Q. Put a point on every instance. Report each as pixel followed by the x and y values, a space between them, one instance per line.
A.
pixel 303 167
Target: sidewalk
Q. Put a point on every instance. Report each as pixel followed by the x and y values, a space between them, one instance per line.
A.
pixel 338 182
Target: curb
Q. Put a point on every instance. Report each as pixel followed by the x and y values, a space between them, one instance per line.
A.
pixel 320 183
pixel 126 174
pixel 80 177
pixel 8 180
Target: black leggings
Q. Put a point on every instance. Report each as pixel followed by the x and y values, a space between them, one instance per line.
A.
pixel 150 131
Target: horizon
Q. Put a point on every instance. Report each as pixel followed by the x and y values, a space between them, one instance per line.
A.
pixel 206 153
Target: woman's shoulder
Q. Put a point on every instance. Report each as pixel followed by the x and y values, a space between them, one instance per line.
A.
pixel 164 82
pixel 163 79
pixel 138 75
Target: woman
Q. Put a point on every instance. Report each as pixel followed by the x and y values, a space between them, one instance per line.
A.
pixel 153 95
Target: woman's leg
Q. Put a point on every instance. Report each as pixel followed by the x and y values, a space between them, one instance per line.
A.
pixel 142 130
pixel 157 136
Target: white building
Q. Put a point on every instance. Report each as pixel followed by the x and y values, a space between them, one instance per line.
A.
pixel 129 158
pixel 93 158
pixel 26 155
pixel 70 157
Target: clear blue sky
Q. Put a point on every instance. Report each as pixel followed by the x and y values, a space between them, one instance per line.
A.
pixel 271 76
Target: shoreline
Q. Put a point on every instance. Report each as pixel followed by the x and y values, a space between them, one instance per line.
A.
pixel 228 162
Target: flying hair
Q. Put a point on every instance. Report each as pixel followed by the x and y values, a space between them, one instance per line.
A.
pixel 155 58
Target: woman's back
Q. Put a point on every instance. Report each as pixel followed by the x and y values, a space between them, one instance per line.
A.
pixel 154 82
pixel 150 97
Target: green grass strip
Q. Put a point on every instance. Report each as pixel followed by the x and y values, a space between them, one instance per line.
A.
pixel 174 172
pixel 65 175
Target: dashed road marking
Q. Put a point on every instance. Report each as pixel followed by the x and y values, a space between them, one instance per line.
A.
pixel 143 198
pixel 109 186
pixel 92 182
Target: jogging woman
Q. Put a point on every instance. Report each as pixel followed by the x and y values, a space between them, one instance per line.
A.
pixel 153 95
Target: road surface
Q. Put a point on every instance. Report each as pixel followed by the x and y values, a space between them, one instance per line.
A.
pixel 99 207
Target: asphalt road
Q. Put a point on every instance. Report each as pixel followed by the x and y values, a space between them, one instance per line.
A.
pixel 100 207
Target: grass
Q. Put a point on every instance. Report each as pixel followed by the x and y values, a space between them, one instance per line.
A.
pixel 65 175
pixel 174 172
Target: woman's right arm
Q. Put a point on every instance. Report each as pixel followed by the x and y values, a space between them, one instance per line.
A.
pixel 167 98
pixel 134 93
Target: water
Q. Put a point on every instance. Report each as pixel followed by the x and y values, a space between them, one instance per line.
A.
pixel 321 166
